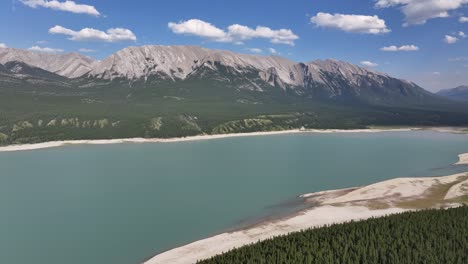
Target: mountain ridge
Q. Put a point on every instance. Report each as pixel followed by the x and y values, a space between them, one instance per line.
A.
pixel 145 60
pixel 87 65
pixel 70 65
pixel 459 93
pixel 138 64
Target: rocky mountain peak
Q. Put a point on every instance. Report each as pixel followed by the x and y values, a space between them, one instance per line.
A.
pixel 70 65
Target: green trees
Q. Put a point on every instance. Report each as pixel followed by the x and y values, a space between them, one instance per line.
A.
pixel 32 113
pixel 431 236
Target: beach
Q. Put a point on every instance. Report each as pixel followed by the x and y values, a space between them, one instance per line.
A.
pixel 336 206
pixel 462 159
pixel 224 242
pixel 53 144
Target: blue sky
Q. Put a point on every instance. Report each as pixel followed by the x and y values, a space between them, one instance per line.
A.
pixel 429 47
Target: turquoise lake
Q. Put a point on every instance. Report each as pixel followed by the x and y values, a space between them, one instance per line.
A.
pixel 124 203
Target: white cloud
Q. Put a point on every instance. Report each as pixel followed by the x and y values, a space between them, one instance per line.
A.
pixel 281 36
pixel 68 6
pixel 369 64
pixel 401 48
pixel 351 23
pixel 91 34
pixel 436 73
pixel 236 33
pixel 255 50
pixel 199 28
pixel 463 19
pixel 86 50
pixel 3 45
pixel 461 34
pixel 272 51
pixel 419 11
pixel 45 49
pixel 450 39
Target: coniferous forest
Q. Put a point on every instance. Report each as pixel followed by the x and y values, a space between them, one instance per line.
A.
pixel 430 236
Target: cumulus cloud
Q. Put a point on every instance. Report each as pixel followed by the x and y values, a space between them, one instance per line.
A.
pixel 369 64
pixel 281 36
pixel 461 34
pixel 351 23
pixel 68 6
pixel 401 48
pixel 272 51
pixel 45 49
pixel 463 19
pixel 450 39
pixel 235 33
pixel 3 45
pixel 91 34
pixel 199 28
pixel 86 50
pixel 419 11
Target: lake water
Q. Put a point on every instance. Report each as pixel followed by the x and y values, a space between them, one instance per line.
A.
pixel 122 204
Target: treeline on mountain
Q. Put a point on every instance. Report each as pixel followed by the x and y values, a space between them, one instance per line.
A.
pixel 430 236
pixel 178 109
pixel 191 90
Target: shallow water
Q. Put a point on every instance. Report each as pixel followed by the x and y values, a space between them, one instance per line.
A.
pixel 123 203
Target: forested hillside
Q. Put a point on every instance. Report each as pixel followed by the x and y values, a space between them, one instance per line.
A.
pixel 158 91
pixel 431 236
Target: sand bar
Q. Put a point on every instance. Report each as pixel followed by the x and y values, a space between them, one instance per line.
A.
pixel 336 206
pixel 462 159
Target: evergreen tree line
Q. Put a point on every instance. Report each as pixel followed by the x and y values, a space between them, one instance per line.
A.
pixel 430 236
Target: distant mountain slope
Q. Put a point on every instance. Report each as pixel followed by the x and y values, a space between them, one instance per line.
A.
pixel 21 75
pixel 22 69
pixel 459 93
pixel 71 65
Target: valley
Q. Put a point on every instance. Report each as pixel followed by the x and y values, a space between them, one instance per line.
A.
pixel 176 91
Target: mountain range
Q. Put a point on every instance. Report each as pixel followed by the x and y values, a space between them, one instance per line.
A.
pixel 459 93
pixel 164 91
pixel 325 78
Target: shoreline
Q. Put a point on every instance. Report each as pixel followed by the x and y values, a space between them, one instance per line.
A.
pixel 330 207
pixel 326 207
pixel 55 144
pixel 462 159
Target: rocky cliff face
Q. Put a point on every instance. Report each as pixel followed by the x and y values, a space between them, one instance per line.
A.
pixel 320 78
pixel 70 65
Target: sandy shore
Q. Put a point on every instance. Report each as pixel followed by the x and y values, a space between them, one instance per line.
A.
pixel 221 243
pixel 336 206
pixel 462 159
pixel 53 144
